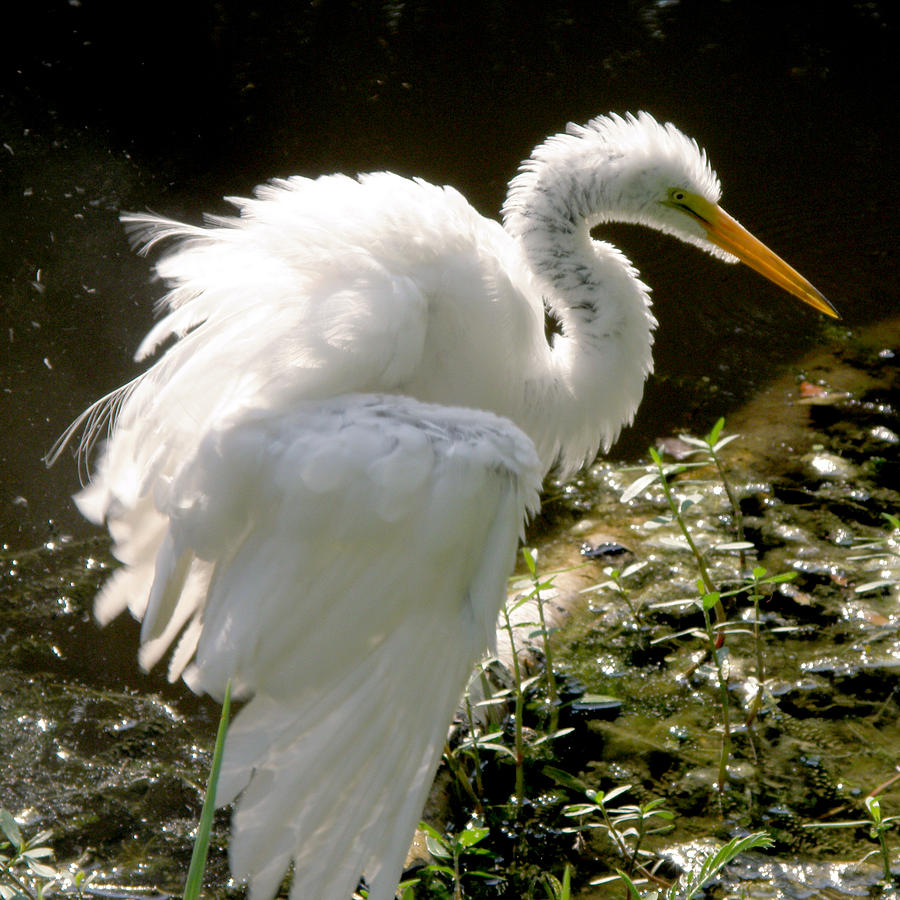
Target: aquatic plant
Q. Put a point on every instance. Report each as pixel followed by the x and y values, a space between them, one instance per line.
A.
pixel 24 868
pixel 448 849
pixel 878 827
pixel 691 883
pixel 626 826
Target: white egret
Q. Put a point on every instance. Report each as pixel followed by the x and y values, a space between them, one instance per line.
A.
pixel 317 488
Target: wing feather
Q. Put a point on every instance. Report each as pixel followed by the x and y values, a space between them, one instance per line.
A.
pixel 344 564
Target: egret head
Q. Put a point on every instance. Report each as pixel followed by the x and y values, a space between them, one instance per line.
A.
pixel 633 169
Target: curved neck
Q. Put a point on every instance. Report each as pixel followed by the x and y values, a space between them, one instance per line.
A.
pixel 599 363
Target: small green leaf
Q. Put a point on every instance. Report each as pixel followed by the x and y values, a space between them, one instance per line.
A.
pixel 638 486
pixel 699 443
pixel 444 870
pixel 567 883
pixel 517 603
pixel 781 577
pixel 725 442
pixel 577 810
pixel 11 829
pixel 715 431
pixel 561 732
pixel 502 749
pixel 42 837
pixel 472 834
pixel 564 778
pixel 893 521
pixel 598 698
pixel 874 808
pixel 437 848
pixel 735 545
pixel 872 586
pixel 41 870
pixel 604 798
pixel 529 554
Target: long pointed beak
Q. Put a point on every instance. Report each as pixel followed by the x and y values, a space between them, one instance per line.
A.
pixel 730 235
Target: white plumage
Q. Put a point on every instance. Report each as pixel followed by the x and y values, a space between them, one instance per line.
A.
pixel 317 488
pixel 359 538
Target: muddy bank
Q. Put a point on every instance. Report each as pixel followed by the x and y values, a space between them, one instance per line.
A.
pixel 814 701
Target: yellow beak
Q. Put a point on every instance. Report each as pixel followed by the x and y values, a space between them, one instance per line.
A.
pixel 730 235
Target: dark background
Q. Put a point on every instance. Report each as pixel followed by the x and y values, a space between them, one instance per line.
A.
pixel 109 106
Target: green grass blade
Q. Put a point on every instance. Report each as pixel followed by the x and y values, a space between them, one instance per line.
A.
pixel 201 842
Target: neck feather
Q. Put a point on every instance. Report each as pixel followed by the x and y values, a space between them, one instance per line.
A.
pixel 602 358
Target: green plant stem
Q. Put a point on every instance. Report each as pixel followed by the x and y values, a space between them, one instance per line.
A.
pixel 885 856
pixel 760 662
pixel 735 506
pixel 723 700
pixel 641 831
pixel 479 784
pixel 519 708
pixel 613 832
pixel 459 773
pixel 623 593
pixel 881 825
pixel 679 518
pixel 714 639
pixel 552 692
pixel 201 843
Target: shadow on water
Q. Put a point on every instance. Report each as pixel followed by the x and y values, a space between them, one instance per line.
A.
pixel 100 114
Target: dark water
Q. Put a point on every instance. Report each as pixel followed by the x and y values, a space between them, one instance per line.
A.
pixel 104 107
